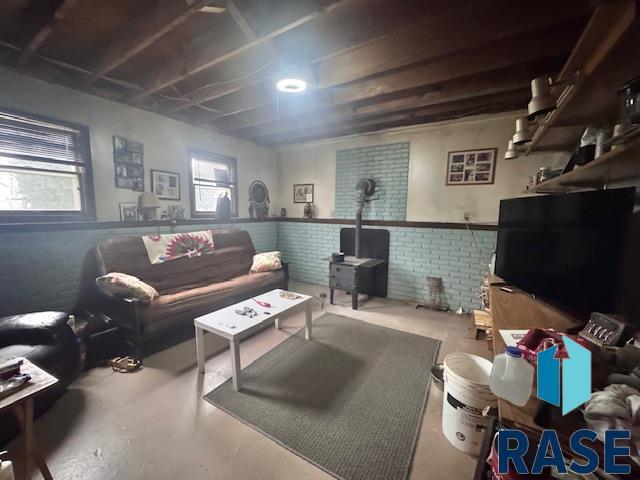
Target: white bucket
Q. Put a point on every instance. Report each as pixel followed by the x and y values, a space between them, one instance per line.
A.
pixel 466 395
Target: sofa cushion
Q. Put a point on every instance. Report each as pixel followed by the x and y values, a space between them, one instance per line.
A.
pixel 169 308
pixel 266 262
pixel 117 283
pixel 232 257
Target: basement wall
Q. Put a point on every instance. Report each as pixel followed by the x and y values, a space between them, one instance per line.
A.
pixel 416 192
pixel 428 198
pixel 44 269
pixel 166 141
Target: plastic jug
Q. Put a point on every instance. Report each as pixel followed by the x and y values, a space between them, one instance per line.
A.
pixel 512 377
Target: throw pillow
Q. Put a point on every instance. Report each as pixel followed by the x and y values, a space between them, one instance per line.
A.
pixel 265 262
pixel 126 285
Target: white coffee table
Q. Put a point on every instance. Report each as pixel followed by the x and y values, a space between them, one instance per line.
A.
pixel 234 327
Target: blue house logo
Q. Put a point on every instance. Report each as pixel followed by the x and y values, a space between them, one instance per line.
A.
pixel 576 376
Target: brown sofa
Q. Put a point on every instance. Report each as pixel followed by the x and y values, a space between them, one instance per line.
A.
pixel 188 287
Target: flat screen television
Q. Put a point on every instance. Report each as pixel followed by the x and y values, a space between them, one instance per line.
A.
pixel 566 248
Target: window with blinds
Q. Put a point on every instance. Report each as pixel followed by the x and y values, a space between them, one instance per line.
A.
pixel 212 176
pixel 45 169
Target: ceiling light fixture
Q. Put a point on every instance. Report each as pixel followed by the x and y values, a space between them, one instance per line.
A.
pixel 523 133
pixel 291 85
pixel 542 100
pixel 512 151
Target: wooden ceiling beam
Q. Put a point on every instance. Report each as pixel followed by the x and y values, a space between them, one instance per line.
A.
pixel 557 38
pixel 517 50
pixel 243 24
pixel 142 31
pixel 338 34
pixel 184 67
pixel 481 85
pixel 505 101
pixel 44 26
pixel 498 21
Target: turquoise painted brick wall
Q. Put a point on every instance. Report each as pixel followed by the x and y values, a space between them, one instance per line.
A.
pixel 459 257
pixel 42 270
pixel 388 165
pixel 306 246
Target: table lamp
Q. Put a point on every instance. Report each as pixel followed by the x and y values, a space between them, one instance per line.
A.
pixel 149 204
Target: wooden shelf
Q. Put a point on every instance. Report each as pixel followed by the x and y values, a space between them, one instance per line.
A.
pixel 602 61
pixel 623 163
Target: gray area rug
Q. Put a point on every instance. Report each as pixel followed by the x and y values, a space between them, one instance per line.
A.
pixel 349 401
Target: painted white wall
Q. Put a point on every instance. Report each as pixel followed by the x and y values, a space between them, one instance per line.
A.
pixel 166 141
pixel 429 199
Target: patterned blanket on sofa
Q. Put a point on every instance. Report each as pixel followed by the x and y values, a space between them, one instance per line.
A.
pixel 171 246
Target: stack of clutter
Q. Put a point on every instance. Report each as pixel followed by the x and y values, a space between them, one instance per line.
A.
pixel 617 407
pixel 11 379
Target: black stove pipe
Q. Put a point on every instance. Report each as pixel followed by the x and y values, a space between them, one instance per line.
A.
pixel 364 189
pixel 358 230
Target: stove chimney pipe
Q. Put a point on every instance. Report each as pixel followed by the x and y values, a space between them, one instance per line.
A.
pixel 364 189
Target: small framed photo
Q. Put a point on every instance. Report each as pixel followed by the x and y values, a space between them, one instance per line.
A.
pixel 165 184
pixel 472 167
pixel 128 212
pixel 303 193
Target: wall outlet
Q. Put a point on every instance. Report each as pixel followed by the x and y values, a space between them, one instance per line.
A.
pixel 467 216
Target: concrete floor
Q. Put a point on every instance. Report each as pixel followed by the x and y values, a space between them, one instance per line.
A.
pixel 154 424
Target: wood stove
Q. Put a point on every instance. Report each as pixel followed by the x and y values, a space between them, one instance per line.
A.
pixel 367 273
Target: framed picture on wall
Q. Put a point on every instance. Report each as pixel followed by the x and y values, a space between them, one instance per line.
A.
pixel 128 212
pixel 303 193
pixel 472 167
pixel 165 184
pixel 128 159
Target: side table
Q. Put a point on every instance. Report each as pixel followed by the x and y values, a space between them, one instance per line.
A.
pixel 21 402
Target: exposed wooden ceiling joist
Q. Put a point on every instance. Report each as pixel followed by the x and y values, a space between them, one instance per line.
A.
pixel 142 31
pixel 506 101
pixel 198 61
pixel 241 21
pixel 498 21
pixel 43 26
pixel 523 40
pixel 339 33
pixel 481 85
pixel 517 50
pixel 243 24
pixel 373 63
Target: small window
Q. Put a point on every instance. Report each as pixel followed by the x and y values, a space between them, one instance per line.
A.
pixel 45 170
pixel 212 176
